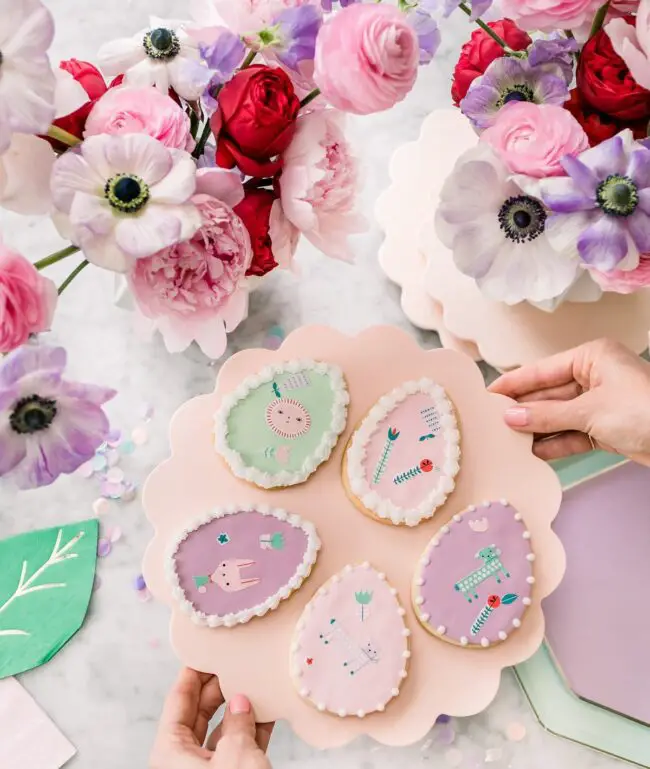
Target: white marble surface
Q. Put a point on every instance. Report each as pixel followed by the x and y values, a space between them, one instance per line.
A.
pixel 106 688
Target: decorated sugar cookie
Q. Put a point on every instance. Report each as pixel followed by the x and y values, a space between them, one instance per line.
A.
pixel 281 424
pixel 402 461
pixel 351 647
pixel 240 562
pixel 474 582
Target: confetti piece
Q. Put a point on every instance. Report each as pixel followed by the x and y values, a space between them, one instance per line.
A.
pixel 454 757
pixel 492 755
pixel 102 448
pixel 140 436
pixel 129 493
pixel 139 583
pixel 115 534
pixel 272 342
pixel 101 506
pixel 277 331
pixel 97 582
pixel 99 463
pixel 86 470
pixel 144 595
pixel 115 475
pixel 112 490
pixel 147 411
pixel 104 548
pixel 127 447
pixel 113 457
pixel 426 746
pixel 445 735
pixel 515 731
pixel 443 719
pixel 114 436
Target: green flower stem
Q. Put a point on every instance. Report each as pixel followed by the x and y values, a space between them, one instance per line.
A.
pixel 200 145
pixel 72 276
pixel 54 132
pixel 194 124
pixel 57 256
pixel 599 20
pixel 310 97
pixel 250 57
pixel 466 9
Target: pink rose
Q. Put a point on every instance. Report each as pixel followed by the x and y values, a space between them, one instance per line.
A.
pixel 194 290
pixel 632 44
pixel 319 183
pixel 27 300
pixel 367 58
pixel 625 282
pixel 551 15
pixel 532 138
pixel 127 110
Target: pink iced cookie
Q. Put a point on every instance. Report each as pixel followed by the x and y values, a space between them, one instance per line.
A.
pixel 351 646
pixel 474 582
pixel 240 562
pixel 287 418
pixel 403 459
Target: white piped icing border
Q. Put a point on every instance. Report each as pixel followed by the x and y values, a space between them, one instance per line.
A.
pixel 357 453
pixel 323 450
pixel 271 603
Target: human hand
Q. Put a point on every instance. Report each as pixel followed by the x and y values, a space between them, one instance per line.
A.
pixel 237 743
pixel 594 396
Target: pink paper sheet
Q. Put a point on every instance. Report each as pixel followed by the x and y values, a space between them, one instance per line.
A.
pixel 28 738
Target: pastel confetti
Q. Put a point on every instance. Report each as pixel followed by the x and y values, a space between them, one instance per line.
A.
pixel 445 735
pixel 144 595
pixel 272 343
pixel 115 475
pixel 86 470
pixel 492 755
pixel 140 436
pixel 113 457
pixel 99 463
pixel 515 731
pixel 453 757
pixel 139 583
pixel 114 437
pixel 147 411
pixel 104 548
pixel 127 447
pixel 101 507
pixel 443 719
pixel 112 490
pixel 115 534
pixel 130 492
pixel 97 582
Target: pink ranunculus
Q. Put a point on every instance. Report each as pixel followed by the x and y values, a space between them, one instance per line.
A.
pixel 532 138
pixel 367 58
pixel 319 183
pixel 632 44
pixel 551 15
pixel 195 290
pixel 622 281
pixel 127 110
pixel 27 300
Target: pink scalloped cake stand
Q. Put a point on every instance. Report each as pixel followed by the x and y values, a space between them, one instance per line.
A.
pixel 496 463
pixel 436 296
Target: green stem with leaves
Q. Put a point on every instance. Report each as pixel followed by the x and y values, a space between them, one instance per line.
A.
pixel 72 276
pixel 310 97
pixel 488 30
pixel 59 135
pixel 57 256
pixel 250 58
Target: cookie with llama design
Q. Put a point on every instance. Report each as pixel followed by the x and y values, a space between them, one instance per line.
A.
pixel 475 581
pixel 227 580
pixel 281 424
pixel 350 651
pixel 402 461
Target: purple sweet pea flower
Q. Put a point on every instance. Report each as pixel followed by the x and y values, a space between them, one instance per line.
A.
pixel 428 34
pixel 605 200
pixel 296 30
pixel 327 5
pixel 555 50
pixel 222 56
pixel 48 426
pixel 510 79
pixel 479 7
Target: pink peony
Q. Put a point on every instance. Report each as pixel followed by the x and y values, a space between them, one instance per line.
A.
pixel 27 300
pixel 532 138
pixel 625 282
pixel 319 183
pixel 194 291
pixel 128 110
pixel 633 44
pixel 367 58
pixel 551 15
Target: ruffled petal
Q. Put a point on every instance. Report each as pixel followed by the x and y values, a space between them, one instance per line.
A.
pixel 638 168
pixel 220 183
pixel 120 56
pixel 179 184
pixel 12 449
pixel 148 232
pixel 71 174
pixel 476 246
pixel 33 360
pixel 139 154
pixel 638 225
pixel 603 245
pixel 188 77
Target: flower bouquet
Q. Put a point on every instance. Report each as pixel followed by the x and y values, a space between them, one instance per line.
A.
pixel 189 161
pixel 553 201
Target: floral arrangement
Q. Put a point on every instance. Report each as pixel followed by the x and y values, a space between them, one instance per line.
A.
pixel 553 202
pixel 190 159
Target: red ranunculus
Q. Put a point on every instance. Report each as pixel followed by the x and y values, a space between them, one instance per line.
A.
pixel 597 125
pixel 481 50
pixel 255 212
pixel 92 81
pixel 256 120
pixel 605 82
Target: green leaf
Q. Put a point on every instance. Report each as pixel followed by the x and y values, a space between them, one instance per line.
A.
pixel 46 580
pixel 509 598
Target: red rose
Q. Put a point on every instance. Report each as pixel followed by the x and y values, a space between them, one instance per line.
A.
pixel 605 82
pixel 256 120
pixel 92 81
pixel 598 126
pixel 481 50
pixel 255 212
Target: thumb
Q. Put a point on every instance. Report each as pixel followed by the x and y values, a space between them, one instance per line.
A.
pixel 238 731
pixel 547 417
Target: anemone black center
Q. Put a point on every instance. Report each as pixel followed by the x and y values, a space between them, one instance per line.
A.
pixel 516 92
pixel 127 193
pixel 515 96
pixel 127 189
pixel 161 43
pixel 618 195
pixel 32 415
pixel 522 219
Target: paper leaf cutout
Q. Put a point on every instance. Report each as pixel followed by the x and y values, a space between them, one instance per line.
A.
pixel 46 581
pixel 509 598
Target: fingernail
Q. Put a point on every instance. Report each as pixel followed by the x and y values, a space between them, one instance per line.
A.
pixel 239 705
pixel 517 417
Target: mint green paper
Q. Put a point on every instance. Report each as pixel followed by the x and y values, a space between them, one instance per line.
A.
pixel 46 580
pixel 558 709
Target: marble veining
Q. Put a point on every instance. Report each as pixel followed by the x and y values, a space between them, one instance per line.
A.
pixel 106 689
